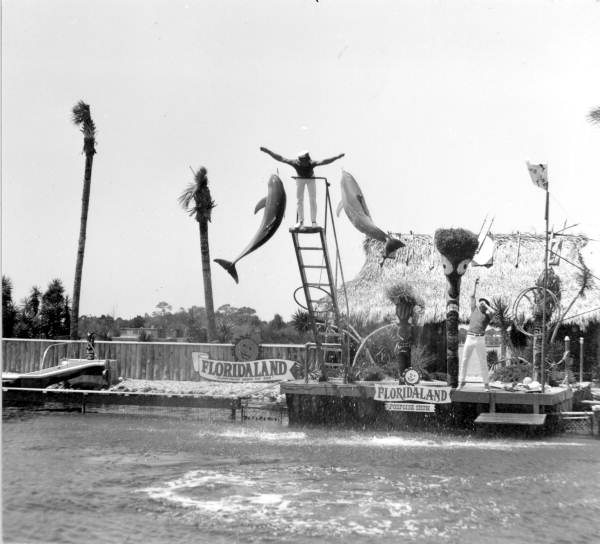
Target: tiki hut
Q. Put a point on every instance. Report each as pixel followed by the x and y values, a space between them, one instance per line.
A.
pixel 518 261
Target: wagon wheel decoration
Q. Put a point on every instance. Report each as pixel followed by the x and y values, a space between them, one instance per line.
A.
pixel 533 298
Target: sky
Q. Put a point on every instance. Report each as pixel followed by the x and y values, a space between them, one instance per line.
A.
pixel 436 105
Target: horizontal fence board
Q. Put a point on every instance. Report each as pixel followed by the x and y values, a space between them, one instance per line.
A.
pixel 136 360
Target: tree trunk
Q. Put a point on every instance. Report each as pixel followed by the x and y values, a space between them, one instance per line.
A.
pixel 405 334
pixel 85 202
pixel 208 296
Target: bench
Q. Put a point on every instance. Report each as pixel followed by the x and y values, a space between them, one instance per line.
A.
pixel 498 418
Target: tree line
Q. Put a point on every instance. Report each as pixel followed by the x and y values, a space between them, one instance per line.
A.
pixel 48 315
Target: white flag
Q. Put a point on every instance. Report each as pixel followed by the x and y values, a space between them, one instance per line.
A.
pixel 539 174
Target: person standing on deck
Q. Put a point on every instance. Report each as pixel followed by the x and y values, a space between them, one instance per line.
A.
pixel 304 167
pixel 481 315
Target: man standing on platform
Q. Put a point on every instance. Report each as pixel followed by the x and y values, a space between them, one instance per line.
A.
pixel 304 167
pixel 481 315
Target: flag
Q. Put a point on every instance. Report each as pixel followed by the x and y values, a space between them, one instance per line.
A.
pixel 539 174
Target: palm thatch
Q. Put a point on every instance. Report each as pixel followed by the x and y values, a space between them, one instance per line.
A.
pixel 518 262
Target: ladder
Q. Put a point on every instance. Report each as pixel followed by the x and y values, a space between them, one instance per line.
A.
pixel 310 246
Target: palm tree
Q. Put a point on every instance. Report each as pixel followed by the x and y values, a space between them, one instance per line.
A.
pixel 594 116
pixel 83 119
pixel 196 200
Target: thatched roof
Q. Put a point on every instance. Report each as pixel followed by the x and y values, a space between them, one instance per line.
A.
pixel 418 263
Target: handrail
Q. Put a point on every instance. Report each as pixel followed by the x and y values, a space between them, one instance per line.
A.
pixel 63 343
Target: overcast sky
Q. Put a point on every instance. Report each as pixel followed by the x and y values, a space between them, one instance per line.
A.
pixel 437 106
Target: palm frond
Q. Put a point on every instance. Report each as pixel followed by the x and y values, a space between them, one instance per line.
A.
pixel 82 117
pixel 187 195
pixel 594 116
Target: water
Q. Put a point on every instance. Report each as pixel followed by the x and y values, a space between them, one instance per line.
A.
pixel 124 478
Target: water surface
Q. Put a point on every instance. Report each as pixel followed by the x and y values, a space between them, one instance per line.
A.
pixel 139 478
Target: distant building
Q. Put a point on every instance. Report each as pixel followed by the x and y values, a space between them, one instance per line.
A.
pixel 133 334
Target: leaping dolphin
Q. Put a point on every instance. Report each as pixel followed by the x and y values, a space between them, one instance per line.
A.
pixel 274 205
pixel 354 204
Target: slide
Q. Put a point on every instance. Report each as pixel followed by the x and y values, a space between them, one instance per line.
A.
pixel 92 371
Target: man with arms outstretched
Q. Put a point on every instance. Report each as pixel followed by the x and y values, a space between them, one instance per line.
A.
pixel 304 167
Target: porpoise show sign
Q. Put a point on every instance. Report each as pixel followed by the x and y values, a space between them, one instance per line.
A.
pixel 414 393
pixel 264 370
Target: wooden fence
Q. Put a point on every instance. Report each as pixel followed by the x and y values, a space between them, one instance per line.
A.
pixel 137 360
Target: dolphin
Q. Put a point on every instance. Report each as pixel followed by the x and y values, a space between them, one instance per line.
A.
pixel 354 204
pixel 274 206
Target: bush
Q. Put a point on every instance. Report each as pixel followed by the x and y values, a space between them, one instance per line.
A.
pixel 513 373
pixel 372 374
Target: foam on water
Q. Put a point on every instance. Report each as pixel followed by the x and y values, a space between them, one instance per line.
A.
pixel 349 503
pixel 389 441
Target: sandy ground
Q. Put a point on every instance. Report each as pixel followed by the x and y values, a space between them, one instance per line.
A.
pixel 263 392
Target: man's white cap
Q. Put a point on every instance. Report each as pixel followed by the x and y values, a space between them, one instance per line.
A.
pixel 303 153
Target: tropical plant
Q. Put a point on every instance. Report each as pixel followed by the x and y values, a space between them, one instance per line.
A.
pixel 584 281
pixel 197 201
pixel 503 319
pixel 83 119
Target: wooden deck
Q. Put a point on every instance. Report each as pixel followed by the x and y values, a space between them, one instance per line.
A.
pixel 471 394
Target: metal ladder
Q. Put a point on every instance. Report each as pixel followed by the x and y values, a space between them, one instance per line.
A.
pixel 318 316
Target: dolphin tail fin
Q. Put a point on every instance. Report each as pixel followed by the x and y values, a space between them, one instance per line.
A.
pixel 260 204
pixel 230 267
pixel 391 244
pixel 339 208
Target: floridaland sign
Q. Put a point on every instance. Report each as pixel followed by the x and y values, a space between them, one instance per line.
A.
pixel 403 398
pixel 264 370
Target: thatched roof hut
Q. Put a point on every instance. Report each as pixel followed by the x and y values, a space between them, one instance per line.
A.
pixel 517 264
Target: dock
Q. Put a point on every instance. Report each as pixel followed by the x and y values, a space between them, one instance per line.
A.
pixel 468 408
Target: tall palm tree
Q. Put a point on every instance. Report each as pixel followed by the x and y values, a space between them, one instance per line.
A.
pixel 83 119
pixel 196 200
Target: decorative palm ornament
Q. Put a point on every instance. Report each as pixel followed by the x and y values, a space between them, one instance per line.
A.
pixel 457 248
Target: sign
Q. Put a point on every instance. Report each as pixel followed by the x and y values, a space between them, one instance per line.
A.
pixel 264 370
pixel 409 407
pixel 411 376
pixel 414 393
pixel 246 349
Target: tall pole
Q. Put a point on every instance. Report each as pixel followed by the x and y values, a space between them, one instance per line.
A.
pixel 580 361
pixel 543 339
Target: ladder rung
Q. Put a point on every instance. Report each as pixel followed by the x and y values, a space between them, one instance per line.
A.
pixel 317 284
pixel 307 248
pixel 313 266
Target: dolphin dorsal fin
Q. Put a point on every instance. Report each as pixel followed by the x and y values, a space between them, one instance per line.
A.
pixel 260 204
pixel 339 208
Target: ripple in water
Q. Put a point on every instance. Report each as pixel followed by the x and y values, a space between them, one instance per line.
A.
pixel 322 501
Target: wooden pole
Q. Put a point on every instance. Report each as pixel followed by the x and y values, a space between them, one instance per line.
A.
pixel 543 339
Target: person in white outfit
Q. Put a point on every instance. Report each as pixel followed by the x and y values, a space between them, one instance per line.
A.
pixel 481 315
pixel 304 167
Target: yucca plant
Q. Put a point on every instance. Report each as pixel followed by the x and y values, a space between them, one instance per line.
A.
pixel 82 118
pixel 503 319
pixel 197 201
